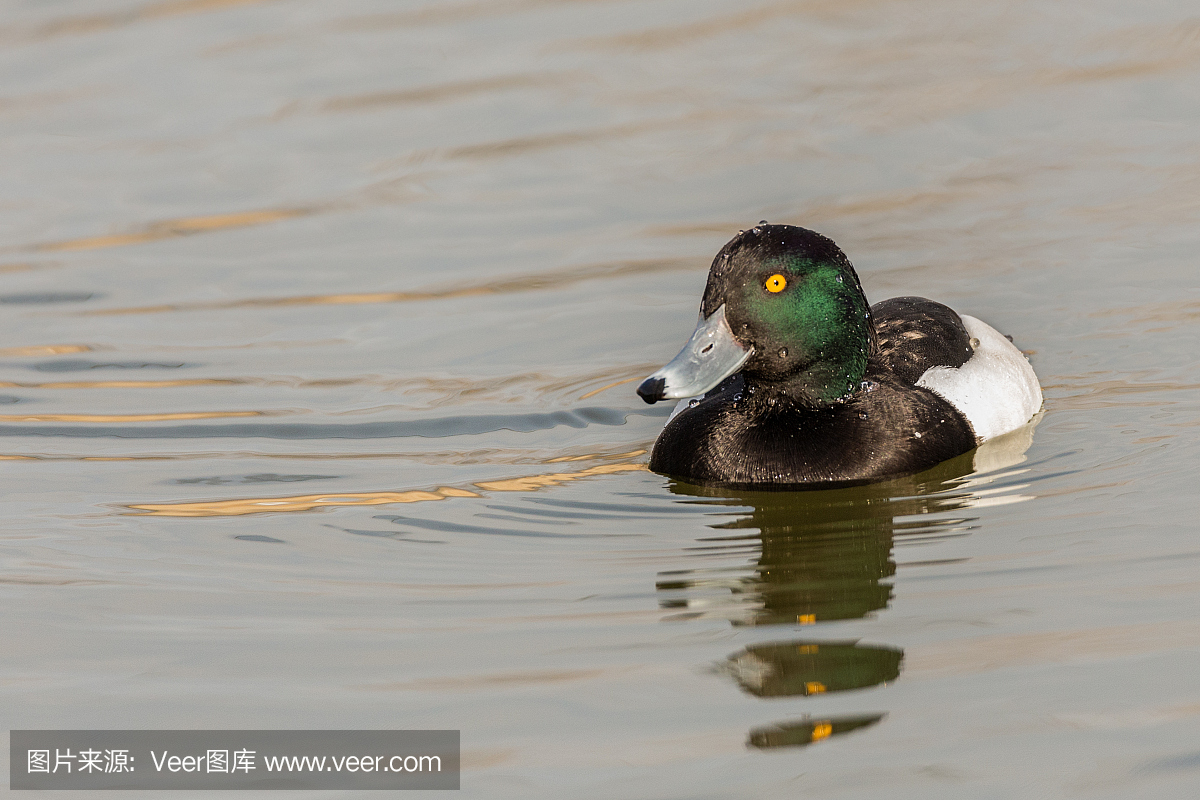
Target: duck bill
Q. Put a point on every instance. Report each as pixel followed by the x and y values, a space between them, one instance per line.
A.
pixel 711 356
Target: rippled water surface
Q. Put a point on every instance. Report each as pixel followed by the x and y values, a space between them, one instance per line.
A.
pixel 320 328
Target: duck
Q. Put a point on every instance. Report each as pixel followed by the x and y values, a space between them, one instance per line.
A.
pixel 791 380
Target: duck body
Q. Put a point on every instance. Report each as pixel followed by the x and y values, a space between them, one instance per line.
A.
pixel 803 384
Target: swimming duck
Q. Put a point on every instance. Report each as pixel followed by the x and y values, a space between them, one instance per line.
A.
pixel 790 379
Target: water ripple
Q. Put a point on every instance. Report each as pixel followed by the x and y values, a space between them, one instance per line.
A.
pixel 436 428
pixel 553 279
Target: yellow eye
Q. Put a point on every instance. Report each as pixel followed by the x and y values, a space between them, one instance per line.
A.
pixel 776 283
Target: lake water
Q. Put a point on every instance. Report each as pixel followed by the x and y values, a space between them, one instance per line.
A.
pixel 321 323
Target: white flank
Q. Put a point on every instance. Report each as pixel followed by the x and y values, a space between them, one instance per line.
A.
pixel 995 390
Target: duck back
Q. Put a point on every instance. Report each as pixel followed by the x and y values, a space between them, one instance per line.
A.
pixel 916 334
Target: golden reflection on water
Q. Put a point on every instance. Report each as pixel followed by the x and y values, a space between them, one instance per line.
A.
pixel 84 24
pixel 595 392
pixel 521 283
pixel 182 415
pixel 676 34
pixel 591 456
pixel 1109 391
pixel 1179 311
pixel 310 502
pixel 306 502
pixel 869 211
pixel 24 266
pixel 475 682
pixel 180 382
pixel 524 144
pixel 434 93
pixel 439 13
pixel 488 455
pixel 37 351
pixel 534 482
pixel 174 228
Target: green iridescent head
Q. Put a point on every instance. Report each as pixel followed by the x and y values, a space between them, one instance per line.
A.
pixel 792 296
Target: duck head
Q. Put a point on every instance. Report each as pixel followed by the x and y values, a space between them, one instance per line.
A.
pixel 784 307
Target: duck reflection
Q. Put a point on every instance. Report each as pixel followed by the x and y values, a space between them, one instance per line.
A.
pixel 820 555
pixel 823 555
pixel 788 669
pixel 804 668
pixel 792 734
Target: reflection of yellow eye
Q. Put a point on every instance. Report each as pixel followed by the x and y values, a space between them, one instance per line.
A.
pixel 776 283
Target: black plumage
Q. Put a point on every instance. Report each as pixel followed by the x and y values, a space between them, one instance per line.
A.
pixel 746 436
pixel 915 334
